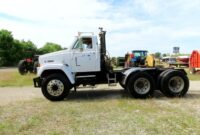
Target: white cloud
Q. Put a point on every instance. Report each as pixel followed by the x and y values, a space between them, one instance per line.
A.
pixel 153 25
pixel 52 9
pixel 149 6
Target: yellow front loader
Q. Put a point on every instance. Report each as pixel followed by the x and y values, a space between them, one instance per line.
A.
pixel 150 60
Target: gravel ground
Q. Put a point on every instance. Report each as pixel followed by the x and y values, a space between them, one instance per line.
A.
pixel 13 94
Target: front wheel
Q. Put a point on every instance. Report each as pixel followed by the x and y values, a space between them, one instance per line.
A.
pixel 56 87
pixel 141 85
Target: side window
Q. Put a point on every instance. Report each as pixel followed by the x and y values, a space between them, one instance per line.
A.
pixel 87 43
pixel 84 43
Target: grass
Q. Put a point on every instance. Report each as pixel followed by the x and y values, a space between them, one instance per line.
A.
pixel 13 78
pixel 101 116
pixel 193 77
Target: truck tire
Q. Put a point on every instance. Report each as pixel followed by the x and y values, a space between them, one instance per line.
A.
pixel 141 85
pixel 56 87
pixel 160 78
pixel 174 84
pixel 35 65
pixel 22 67
pixel 123 86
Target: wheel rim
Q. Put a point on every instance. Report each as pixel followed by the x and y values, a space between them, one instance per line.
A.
pixel 176 84
pixel 142 85
pixel 55 87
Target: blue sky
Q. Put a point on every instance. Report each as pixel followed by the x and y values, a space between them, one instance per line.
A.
pixel 153 25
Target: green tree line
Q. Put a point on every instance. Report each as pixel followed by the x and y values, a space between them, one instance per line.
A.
pixel 13 50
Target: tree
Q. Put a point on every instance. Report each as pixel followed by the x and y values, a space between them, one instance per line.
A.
pixel 28 48
pixel 50 47
pixel 17 51
pixel 166 55
pixel 12 50
pixel 6 45
pixel 23 49
pixel 114 61
pixel 157 55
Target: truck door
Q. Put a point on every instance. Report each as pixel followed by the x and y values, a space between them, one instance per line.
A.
pixel 84 56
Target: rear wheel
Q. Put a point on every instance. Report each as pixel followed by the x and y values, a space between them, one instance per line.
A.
pixel 174 84
pixel 56 87
pixel 141 85
pixel 122 85
pixel 160 77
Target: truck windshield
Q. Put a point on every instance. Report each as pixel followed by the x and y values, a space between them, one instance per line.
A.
pixel 77 44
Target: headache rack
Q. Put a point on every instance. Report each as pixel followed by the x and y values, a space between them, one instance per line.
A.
pixel 86 33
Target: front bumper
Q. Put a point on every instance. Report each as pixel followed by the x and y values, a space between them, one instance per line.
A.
pixel 37 82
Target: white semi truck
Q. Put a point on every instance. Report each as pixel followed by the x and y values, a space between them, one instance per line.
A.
pixel 85 62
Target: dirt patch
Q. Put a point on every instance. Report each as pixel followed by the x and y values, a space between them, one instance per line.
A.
pixel 8 69
pixel 5 73
pixel 13 94
pixel 5 76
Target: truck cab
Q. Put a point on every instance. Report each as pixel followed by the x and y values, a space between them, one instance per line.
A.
pixel 82 56
pixel 85 54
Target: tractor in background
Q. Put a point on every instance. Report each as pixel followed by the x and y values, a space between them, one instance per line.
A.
pixel 194 62
pixel 141 58
pixel 28 65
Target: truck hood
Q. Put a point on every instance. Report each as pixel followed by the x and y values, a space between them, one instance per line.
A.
pixel 55 57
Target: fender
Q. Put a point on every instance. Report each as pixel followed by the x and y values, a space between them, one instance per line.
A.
pixel 66 69
pixel 131 71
